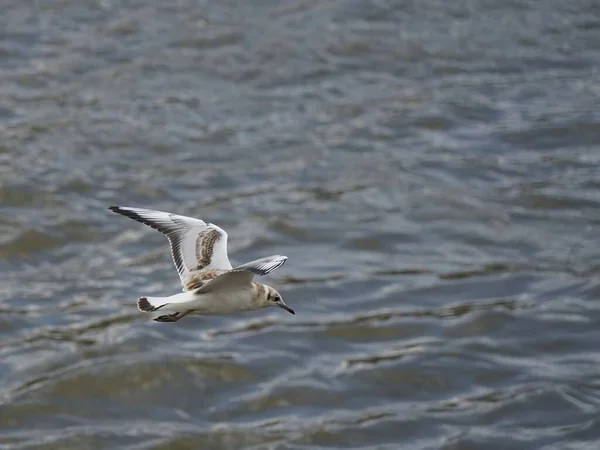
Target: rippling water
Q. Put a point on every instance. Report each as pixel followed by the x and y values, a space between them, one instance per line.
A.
pixel 430 168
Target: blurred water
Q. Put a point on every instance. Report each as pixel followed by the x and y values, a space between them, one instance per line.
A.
pixel 430 168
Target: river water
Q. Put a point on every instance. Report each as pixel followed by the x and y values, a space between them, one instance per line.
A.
pixel 430 168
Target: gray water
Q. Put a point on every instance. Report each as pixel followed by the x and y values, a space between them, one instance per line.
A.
pixel 430 168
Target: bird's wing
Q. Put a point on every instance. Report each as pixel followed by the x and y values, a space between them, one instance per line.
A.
pixel 242 275
pixel 195 244
pixel 227 282
pixel 264 265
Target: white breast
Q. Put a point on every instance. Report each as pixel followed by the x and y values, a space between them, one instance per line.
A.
pixel 222 303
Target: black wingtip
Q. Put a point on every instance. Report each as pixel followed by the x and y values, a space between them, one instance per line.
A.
pixel 138 215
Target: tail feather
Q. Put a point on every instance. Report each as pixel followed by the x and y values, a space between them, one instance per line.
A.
pixel 149 304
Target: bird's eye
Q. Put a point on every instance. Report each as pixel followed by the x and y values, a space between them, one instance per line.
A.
pixel 277 298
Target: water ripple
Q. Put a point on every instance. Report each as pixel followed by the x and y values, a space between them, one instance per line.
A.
pixel 429 169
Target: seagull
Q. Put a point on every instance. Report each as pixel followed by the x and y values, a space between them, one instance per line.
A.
pixel 211 286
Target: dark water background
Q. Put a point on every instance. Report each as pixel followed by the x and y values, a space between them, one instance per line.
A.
pixel 431 168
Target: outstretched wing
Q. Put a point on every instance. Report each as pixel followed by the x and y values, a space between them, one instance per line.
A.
pixel 195 244
pixel 264 266
pixel 227 282
pixel 241 275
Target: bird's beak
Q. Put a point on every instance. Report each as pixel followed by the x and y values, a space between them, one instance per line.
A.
pixel 287 308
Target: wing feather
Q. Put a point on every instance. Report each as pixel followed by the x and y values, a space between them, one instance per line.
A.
pixel 227 282
pixel 195 244
pixel 237 278
pixel 265 265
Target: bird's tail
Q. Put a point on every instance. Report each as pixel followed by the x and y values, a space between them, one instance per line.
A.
pixel 149 304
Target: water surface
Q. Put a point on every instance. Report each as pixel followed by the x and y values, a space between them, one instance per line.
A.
pixel 429 168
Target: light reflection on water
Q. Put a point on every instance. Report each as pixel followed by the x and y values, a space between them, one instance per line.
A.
pixel 430 170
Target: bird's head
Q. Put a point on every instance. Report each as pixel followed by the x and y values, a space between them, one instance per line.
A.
pixel 273 298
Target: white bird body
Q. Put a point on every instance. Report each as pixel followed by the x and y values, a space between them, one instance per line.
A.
pixel 211 286
pixel 213 303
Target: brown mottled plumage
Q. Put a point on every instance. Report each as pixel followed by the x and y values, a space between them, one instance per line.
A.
pixel 198 279
pixel 204 247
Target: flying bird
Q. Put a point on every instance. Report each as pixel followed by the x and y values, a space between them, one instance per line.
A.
pixel 211 286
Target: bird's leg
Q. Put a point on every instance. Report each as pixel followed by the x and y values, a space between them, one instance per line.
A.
pixel 172 317
pixel 168 318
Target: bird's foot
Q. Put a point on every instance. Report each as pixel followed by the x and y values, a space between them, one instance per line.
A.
pixel 168 318
pixel 172 317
